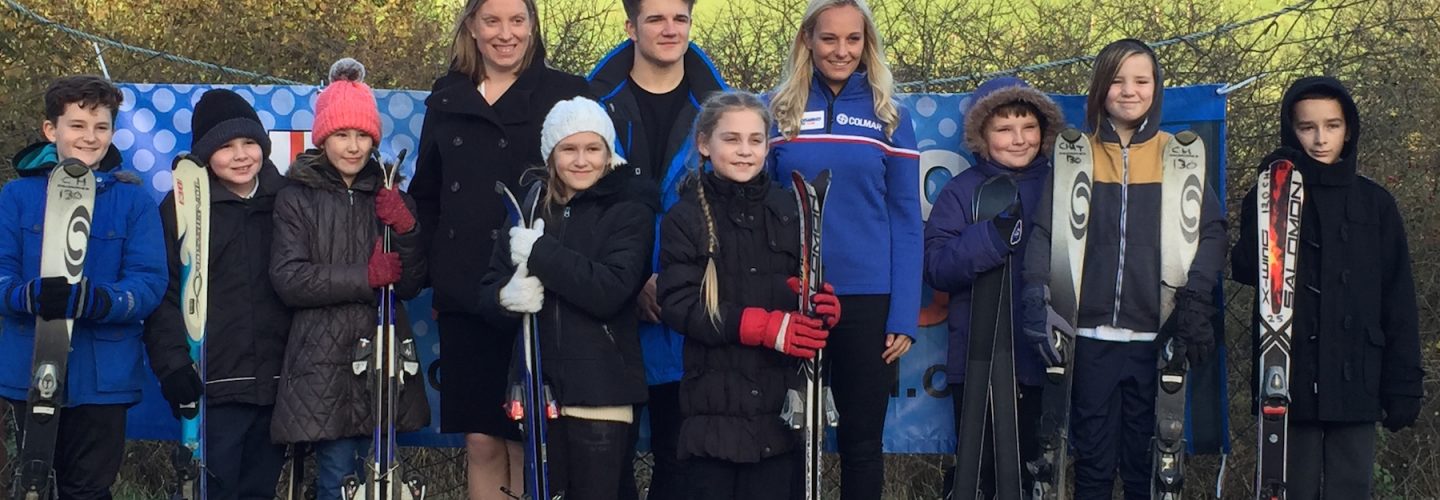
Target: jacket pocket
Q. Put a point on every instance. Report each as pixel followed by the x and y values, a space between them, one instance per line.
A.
pixel 107 246
pixel 1374 353
pixel 117 359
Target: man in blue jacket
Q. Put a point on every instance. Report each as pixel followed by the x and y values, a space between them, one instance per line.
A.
pixel 123 279
pixel 652 86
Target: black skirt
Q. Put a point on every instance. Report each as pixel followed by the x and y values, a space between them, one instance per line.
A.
pixel 474 369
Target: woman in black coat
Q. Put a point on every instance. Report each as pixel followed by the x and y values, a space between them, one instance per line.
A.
pixel 728 250
pixel 579 269
pixel 482 126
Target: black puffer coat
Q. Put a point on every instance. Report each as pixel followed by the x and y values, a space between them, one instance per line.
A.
pixel 324 234
pixel 593 259
pixel 731 395
pixel 1355 344
pixel 247 324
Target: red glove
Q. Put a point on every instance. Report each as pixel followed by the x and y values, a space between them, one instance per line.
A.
pixel 827 306
pixel 791 333
pixel 384 267
pixel 390 208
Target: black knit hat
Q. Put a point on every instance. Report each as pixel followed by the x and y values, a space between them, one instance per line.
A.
pixel 221 116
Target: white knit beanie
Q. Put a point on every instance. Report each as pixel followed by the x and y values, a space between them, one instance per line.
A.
pixel 574 116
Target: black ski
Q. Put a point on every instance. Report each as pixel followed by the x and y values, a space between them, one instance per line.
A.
pixel 817 406
pixel 69 204
pixel 989 409
pixel 531 402
pixel 1280 198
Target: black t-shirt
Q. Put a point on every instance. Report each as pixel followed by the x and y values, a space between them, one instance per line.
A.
pixel 658 112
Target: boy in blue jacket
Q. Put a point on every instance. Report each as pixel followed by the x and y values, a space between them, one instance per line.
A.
pixel 123 279
pixel 1010 130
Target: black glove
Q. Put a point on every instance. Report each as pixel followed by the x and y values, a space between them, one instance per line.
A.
pixel 1400 411
pixel 182 388
pixel 55 298
pixel 1190 326
pixel 1006 222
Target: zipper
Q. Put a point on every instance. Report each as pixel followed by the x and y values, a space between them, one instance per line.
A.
pixel 830 98
pixel 351 193
pixel 608 334
pixel 1124 218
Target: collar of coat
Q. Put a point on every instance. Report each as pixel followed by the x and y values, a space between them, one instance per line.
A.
pixel 455 93
pixel 1340 173
pixel 312 169
pixel 39 158
pixel 613 71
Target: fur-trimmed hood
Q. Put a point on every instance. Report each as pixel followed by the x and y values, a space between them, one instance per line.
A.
pixel 1003 90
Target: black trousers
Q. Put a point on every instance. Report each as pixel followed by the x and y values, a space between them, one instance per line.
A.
pixel 1028 419
pixel 242 462
pixel 585 457
pixel 88 450
pixel 768 479
pixel 1112 417
pixel 1330 460
pixel 667 477
pixel 861 382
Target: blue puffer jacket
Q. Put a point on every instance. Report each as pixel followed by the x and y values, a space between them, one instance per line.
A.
pixel 126 257
pixel 958 250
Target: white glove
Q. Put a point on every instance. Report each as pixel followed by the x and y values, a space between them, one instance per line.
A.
pixel 522 241
pixel 523 293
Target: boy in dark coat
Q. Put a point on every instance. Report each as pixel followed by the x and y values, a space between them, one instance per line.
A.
pixel 1010 128
pixel 247 325
pixel 1355 346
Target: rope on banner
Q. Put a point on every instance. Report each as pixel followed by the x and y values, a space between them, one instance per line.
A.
pixel 1219 30
pixel 96 39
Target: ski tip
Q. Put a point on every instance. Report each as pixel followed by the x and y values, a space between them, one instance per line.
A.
pixel 185 161
pixel 1186 137
pixel 73 167
pixel 822 178
pixel 1071 134
pixel 1280 164
pixel 501 189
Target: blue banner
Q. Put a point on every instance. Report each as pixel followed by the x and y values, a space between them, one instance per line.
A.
pixel 154 126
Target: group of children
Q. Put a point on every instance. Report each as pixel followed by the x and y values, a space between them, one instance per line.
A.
pixel 667 282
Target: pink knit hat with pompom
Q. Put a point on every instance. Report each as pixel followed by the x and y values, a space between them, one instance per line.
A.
pixel 345 104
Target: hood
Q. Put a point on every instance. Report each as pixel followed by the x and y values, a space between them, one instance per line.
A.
pixel 313 170
pixel 613 71
pixel 1038 168
pixel 1327 86
pixel 1004 90
pixel 1151 125
pixel 39 158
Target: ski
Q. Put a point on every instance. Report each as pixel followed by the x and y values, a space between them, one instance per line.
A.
pixel 1182 194
pixel 1069 225
pixel 388 360
pixel 1280 198
pixel 69 206
pixel 531 402
pixel 192 218
pixel 817 405
pixel 295 479
pixel 989 413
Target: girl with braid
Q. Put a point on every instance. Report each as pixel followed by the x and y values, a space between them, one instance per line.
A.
pixel 729 251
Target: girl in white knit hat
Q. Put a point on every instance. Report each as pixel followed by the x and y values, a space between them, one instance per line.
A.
pixel 579 268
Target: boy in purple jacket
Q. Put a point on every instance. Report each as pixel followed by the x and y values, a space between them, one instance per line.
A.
pixel 1010 129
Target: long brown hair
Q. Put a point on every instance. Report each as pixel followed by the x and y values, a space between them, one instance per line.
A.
pixel 1107 65
pixel 791 95
pixel 711 111
pixel 465 55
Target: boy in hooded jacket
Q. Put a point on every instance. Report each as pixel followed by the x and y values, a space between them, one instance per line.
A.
pixel 1354 343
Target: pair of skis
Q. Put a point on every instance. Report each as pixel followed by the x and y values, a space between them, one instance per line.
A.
pixel 69 207
pixel 388 360
pixel 815 410
pixel 988 418
pixel 1183 188
pixel 531 402
pixel 1280 199
pixel 191 192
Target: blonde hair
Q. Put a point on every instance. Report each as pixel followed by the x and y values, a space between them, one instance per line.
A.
pixel 793 92
pixel 706 120
pixel 465 55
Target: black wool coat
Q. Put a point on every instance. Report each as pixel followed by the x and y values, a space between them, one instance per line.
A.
pixel 466 145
